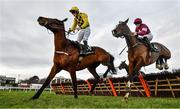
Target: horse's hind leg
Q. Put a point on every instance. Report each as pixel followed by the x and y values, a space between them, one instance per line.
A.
pixel 92 70
pixel 159 63
pixel 166 65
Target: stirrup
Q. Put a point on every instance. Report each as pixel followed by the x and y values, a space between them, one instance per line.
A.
pixel 89 48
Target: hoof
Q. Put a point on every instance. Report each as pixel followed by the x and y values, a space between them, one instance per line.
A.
pixel 34 98
pixel 104 80
pixel 158 66
pixel 161 68
pixel 166 67
pixel 125 99
pixel 75 96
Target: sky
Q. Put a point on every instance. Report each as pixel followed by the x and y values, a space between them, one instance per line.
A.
pixel 26 48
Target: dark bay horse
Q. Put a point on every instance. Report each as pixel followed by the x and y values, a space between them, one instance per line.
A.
pixel 138 54
pixel 123 65
pixel 66 56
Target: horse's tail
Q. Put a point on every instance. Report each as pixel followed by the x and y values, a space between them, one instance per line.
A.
pixel 111 66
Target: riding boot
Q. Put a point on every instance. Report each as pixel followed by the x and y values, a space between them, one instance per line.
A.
pixel 85 49
pixel 150 46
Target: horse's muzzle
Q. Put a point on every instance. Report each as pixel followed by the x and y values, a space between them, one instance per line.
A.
pixel 42 21
pixel 114 32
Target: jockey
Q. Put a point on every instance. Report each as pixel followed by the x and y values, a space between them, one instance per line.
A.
pixel 81 20
pixel 144 34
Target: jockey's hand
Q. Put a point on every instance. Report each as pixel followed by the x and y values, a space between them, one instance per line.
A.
pixel 78 28
pixel 134 34
pixel 68 32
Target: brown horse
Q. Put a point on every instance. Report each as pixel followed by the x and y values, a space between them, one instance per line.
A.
pixel 138 54
pixel 66 56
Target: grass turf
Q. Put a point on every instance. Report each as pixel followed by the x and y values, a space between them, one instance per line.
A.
pixel 20 99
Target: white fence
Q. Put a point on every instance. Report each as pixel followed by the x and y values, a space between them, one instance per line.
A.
pixel 26 89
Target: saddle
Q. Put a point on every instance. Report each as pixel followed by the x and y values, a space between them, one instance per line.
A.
pixel 81 47
pixel 151 46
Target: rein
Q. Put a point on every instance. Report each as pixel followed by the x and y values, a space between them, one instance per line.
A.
pixel 61 52
pixel 134 45
pixel 70 33
pixel 137 43
pixel 67 36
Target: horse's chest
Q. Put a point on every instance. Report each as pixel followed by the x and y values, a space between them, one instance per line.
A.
pixel 132 55
pixel 63 60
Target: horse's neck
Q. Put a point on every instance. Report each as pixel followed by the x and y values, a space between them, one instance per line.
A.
pixel 131 40
pixel 60 41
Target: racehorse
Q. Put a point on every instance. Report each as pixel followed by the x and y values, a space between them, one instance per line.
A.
pixel 138 54
pixel 66 56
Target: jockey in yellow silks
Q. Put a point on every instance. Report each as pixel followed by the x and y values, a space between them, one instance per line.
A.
pixel 81 23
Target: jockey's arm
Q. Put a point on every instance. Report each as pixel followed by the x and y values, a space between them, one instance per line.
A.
pixel 85 19
pixel 74 25
pixel 143 32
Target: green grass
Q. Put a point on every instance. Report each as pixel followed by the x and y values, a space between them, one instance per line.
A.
pixel 19 99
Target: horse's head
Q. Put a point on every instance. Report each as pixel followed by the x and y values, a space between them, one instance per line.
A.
pixel 122 65
pixel 121 29
pixel 52 24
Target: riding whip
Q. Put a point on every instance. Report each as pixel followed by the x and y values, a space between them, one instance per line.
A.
pixel 122 50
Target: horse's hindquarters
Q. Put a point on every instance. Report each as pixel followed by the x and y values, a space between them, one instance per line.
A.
pixel 164 52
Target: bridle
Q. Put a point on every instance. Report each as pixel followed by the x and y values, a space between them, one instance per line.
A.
pixel 123 35
pixel 47 24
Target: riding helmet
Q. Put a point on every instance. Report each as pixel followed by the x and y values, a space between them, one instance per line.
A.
pixel 137 21
pixel 74 9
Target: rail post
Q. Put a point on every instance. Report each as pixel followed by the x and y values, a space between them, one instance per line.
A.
pixel 112 87
pixel 145 85
pixel 62 86
pixel 89 84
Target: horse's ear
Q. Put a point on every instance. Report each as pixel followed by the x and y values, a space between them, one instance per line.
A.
pixel 126 20
pixel 65 20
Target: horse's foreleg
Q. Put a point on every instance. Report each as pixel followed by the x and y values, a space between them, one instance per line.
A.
pixel 96 76
pixel 51 75
pixel 133 70
pixel 74 82
pixel 130 79
pixel 128 89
